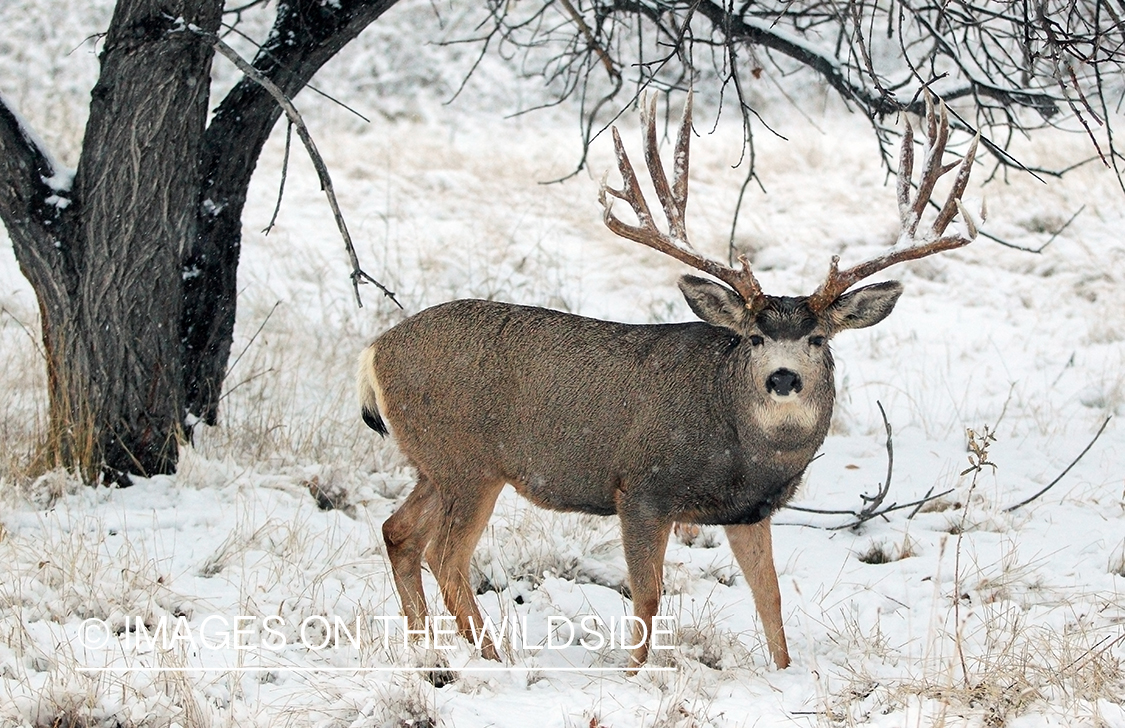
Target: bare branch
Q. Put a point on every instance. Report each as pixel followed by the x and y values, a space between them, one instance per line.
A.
pixel 358 275
pixel 606 60
pixel 872 508
pixel 875 501
pixel 1066 470
pixel 1009 67
pixel 315 89
pixel 284 176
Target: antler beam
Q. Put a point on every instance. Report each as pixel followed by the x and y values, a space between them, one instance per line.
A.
pixel 673 198
pixel 932 241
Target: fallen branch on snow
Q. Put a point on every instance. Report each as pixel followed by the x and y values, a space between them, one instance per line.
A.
pixel 1073 462
pixel 871 509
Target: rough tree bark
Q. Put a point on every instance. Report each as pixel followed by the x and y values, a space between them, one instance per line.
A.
pixel 134 261
pixel 113 240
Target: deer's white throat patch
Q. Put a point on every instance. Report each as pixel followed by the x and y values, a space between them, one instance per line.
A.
pixel 788 412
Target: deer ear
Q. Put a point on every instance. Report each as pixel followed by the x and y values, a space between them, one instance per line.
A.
pixel 713 302
pixel 864 307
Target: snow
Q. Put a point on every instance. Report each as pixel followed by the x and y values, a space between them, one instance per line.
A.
pixel 446 203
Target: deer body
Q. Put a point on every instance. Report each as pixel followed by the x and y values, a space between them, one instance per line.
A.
pixel 654 423
pixel 580 414
pixel 709 422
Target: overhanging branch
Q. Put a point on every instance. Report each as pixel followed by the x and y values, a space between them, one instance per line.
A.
pixel 358 275
pixel 1002 64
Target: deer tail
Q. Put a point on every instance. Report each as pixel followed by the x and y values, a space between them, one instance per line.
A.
pixel 369 392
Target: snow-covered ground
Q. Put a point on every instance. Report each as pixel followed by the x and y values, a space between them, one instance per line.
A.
pixel 979 617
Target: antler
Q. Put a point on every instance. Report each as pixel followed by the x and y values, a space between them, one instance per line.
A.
pixel 674 201
pixel 934 240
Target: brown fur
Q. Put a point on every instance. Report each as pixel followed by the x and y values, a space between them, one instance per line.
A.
pixel 653 423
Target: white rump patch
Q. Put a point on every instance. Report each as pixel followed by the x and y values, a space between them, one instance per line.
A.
pixel 370 391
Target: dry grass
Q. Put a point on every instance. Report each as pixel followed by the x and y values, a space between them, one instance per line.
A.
pixel 525 544
pixel 994 650
pixel 1013 669
pixel 23 404
pixel 880 552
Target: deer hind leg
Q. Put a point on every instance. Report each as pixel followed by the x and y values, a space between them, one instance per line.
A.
pixel 753 548
pixel 406 534
pixel 644 539
pixel 464 514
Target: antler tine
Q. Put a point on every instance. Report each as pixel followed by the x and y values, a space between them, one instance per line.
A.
pixel 837 282
pixel 905 174
pixel 953 201
pixel 932 168
pixel 630 192
pixel 680 160
pixel 673 198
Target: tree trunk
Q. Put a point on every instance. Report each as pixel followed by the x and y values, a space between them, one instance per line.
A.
pixel 134 263
pixel 109 324
pixel 138 182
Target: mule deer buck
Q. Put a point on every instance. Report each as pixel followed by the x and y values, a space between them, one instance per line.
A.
pixel 711 422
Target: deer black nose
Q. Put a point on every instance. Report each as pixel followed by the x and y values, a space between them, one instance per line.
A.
pixel 783 381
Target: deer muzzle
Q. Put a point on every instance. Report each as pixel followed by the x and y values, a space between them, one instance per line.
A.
pixel 783 383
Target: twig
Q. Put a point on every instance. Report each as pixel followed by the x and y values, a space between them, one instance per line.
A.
pixel 978 458
pixel 871 510
pixel 889 509
pixel 34 341
pixel 873 503
pixel 1068 365
pixel 820 511
pixel 1074 462
pixel 247 380
pixel 358 275
pixel 262 49
pixel 750 176
pixel 251 341
pixel 1099 644
pixel 921 503
pixel 1042 247
pixel 590 39
pixel 892 508
pixel 284 175
pixel 1058 232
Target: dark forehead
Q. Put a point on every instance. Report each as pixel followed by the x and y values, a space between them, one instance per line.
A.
pixel 786 317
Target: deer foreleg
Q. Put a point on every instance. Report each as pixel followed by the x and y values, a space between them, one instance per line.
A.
pixel 753 548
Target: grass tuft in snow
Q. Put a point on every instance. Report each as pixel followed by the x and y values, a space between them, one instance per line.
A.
pixel 1117 561
pixel 881 552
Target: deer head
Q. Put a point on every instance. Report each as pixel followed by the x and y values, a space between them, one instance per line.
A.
pixel 788 361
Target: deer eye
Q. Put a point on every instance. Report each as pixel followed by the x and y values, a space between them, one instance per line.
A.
pixel 816 340
pixel 756 340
